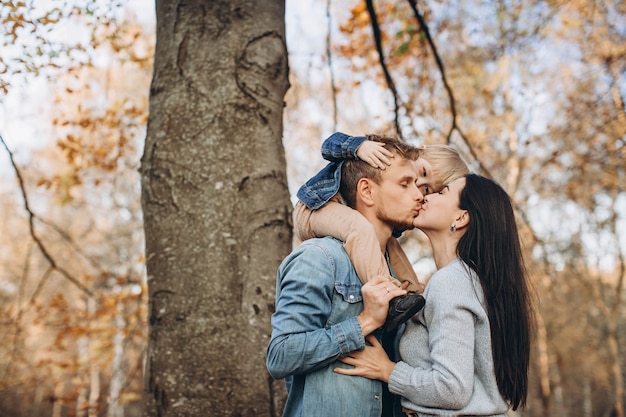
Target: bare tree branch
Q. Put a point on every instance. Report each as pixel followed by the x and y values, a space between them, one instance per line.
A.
pixel 444 80
pixel 381 57
pixel 40 285
pixel 31 224
pixel 67 238
pixel 431 43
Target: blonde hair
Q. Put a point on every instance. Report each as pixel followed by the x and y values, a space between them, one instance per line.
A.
pixel 446 163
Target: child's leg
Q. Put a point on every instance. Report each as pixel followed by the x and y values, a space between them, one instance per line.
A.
pixel 402 267
pixel 349 226
pixel 301 222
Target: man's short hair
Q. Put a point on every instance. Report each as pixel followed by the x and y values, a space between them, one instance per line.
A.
pixel 353 170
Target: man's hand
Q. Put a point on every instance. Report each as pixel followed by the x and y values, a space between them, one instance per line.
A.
pixel 377 293
pixel 374 153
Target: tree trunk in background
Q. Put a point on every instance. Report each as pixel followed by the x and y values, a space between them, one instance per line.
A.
pixel 543 361
pixel 217 213
pixel 116 384
pixel 616 371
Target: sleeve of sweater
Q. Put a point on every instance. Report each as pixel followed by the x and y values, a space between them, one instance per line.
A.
pixel 445 381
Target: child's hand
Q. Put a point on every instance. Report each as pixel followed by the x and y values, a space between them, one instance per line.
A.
pixel 374 153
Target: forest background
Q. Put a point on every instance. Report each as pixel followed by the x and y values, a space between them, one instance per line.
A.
pixel 531 92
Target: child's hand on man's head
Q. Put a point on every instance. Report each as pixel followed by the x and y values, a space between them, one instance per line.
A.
pixel 374 153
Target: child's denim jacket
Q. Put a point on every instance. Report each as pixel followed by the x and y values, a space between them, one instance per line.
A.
pixel 320 188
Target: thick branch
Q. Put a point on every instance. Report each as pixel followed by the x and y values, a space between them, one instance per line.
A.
pixel 451 99
pixel 381 57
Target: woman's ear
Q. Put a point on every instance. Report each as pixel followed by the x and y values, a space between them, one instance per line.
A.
pixel 462 219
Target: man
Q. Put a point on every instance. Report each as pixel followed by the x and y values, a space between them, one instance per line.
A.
pixel 323 312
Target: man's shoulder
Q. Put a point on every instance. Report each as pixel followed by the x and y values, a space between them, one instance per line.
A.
pixel 331 246
pixel 320 257
pixel 323 248
pixel 326 241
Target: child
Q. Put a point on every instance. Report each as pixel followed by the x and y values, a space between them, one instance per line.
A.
pixel 320 212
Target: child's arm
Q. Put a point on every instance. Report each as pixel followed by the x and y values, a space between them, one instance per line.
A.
pixel 322 186
pixel 340 146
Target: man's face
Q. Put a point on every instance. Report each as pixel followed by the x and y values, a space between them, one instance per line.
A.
pixel 398 198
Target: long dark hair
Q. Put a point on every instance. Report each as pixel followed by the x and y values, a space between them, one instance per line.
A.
pixel 492 248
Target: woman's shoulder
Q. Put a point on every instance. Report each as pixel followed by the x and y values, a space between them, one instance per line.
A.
pixel 454 274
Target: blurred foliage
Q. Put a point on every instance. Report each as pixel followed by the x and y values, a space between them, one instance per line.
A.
pixel 75 349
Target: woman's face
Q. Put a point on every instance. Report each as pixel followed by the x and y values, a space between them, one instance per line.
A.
pixel 425 181
pixel 440 210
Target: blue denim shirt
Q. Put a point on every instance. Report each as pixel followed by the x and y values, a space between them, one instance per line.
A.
pixel 320 188
pixel 318 296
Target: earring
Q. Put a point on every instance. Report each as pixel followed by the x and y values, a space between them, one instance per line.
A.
pixel 453 228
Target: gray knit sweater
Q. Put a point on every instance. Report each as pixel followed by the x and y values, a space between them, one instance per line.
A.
pixel 447 366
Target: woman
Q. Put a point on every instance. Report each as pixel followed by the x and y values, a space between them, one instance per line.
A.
pixel 467 351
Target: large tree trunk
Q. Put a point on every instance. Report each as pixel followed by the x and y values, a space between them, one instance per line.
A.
pixel 216 205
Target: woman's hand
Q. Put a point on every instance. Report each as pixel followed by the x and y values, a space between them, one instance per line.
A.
pixel 372 362
pixel 374 153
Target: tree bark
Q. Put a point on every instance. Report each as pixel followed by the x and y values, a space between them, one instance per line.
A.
pixel 217 214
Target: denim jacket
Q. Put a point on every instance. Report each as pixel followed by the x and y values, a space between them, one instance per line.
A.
pixel 318 296
pixel 320 188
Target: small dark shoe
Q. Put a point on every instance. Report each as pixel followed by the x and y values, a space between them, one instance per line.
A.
pixel 403 308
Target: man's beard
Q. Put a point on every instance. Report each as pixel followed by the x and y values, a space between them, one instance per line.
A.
pixel 397 225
